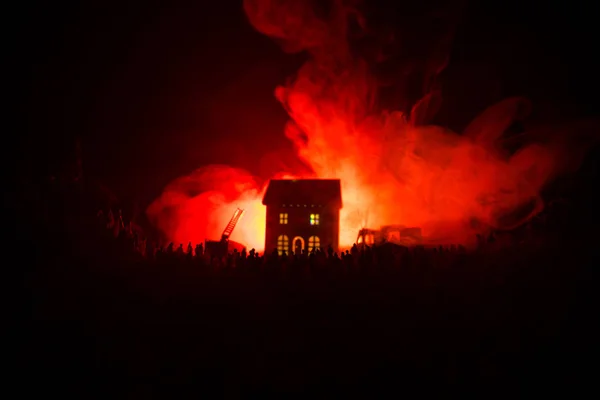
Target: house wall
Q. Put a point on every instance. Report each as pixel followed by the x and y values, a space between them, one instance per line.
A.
pixel 299 225
pixel 333 216
pixel 272 229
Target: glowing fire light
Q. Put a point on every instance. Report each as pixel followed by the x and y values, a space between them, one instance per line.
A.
pixel 393 168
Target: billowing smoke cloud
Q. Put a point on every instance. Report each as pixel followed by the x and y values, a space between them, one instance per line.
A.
pixel 395 167
pixel 197 207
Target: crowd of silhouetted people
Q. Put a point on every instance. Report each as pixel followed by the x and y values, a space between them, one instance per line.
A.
pixel 358 258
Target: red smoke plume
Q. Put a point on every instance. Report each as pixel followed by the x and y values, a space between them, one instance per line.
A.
pixel 394 167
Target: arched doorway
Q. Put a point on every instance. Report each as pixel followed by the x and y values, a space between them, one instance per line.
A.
pixel 298 245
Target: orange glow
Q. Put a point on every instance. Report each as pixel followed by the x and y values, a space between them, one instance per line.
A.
pixel 394 168
pixel 198 207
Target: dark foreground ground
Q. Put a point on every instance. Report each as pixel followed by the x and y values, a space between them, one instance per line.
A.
pixel 513 322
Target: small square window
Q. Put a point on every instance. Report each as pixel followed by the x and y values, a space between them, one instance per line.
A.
pixel 314 219
pixel 283 218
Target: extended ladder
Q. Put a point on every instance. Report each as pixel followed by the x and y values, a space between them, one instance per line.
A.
pixel 232 223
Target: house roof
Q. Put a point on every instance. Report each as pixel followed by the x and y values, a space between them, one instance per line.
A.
pixel 304 191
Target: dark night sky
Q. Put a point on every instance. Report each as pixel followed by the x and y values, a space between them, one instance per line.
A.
pixel 157 89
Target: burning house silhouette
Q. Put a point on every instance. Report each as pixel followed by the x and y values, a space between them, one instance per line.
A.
pixel 302 214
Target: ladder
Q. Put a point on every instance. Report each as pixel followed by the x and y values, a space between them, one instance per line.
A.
pixel 232 223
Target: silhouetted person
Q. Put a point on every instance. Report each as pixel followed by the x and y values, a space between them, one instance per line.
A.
pixel 480 241
pixel 354 250
pixel 110 219
pixel 150 248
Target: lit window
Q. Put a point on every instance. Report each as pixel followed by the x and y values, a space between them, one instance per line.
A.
pixel 283 244
pixel 283 218
pixel 314 243
pixel 314 219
